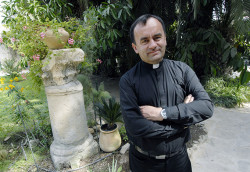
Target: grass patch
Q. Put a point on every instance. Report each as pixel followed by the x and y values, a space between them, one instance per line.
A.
pixel 224 92
pixel 12 134
pixel 16 160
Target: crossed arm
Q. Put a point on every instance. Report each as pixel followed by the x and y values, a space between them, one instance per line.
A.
pixel 154 113
pixel 141 120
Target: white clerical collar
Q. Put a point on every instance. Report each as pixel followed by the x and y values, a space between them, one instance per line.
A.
pixel 155 66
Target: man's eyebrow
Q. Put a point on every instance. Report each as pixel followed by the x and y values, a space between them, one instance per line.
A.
pixel 158 34
pixel 143 38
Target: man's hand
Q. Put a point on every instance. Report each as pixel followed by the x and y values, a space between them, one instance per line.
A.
pixel 151 113
pixel 154 113
pixel 189 99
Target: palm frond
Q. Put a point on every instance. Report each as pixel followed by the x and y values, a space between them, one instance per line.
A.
pixel 110 112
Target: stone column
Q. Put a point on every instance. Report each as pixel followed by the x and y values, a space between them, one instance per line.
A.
pixel 72 140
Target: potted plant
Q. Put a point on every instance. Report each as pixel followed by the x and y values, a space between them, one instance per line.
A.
pixel 110 138
pixel 57 39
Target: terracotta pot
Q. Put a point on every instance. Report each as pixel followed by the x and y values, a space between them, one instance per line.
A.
pixel 109 141
pixel 54 41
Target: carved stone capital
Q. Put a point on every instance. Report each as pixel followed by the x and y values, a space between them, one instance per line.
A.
pixel 60 66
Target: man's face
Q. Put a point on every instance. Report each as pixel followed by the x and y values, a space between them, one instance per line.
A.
pixel 150 41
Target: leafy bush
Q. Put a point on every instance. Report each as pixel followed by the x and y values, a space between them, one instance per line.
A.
pixel 226 92
pixel 111 33
pixel 100 93
pixel 3 153
pixel 11 67
pixel 91 123
pixel 27 30
pixel 207 52
pixel 123 133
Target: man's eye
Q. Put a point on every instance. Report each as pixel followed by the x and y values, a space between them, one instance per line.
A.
pixel 144 41
pixel 157 38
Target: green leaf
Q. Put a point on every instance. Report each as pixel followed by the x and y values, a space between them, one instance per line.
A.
pixel 119 169
pixel 244 76
pixel 207 35
pixel 104 46
pixel 213 70
pixel 110 35
pixel 102 24
pixel 110 43
pixel 113 14
pixel 227 45
pixel 128 10
pixel 184 56
pixel 114 32
pixel 119 14
pixel 193 47
pixel 218 34
pixel 233 52
pixel 201 43
pixel 211 38
pixel 108 10
pixel 189 55
pixel 118 33
pixel 108 20
pixel 225 55
pixel 204 2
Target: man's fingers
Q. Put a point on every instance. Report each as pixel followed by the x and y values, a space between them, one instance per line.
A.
pixel 188 99
pixel 151 113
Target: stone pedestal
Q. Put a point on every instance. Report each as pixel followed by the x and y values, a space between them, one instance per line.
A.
pixel 72 140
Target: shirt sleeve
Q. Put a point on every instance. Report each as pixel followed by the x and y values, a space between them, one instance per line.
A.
pixel 198 110
pixel 136 125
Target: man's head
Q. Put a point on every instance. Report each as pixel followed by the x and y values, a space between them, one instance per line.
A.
pixel 148 37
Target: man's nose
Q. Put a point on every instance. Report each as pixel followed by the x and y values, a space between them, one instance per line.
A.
pixel 152 44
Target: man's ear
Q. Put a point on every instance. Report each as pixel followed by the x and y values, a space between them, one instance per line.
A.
pixel 135 48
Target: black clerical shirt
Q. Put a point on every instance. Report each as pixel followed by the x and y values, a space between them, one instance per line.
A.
pixel 166 87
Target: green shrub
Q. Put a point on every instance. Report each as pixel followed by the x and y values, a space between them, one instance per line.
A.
pixel 91 123
pixel 11 67
pixel 225 92
pixel 3 153
pixel 123 133
pixel 100 93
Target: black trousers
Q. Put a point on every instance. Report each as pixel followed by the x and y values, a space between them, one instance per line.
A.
pixel 141 163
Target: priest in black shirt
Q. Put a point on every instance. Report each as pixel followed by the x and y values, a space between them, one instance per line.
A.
pixel 160 99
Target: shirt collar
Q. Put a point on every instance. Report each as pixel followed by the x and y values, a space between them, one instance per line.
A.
pixel 155 66
pixel 152 66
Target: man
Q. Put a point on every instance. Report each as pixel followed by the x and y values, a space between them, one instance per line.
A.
pixel 160 98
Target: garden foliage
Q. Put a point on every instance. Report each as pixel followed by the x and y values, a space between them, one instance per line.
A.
pixel 226 92
pixel 20 105
pixel 111 34
pixel 28 21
